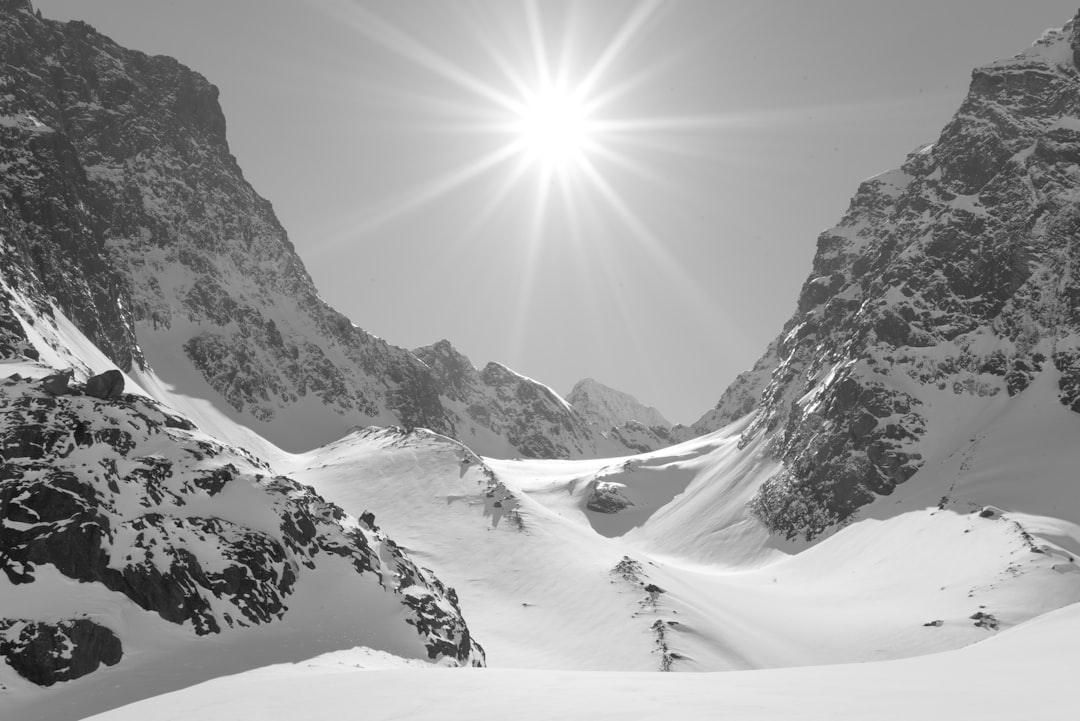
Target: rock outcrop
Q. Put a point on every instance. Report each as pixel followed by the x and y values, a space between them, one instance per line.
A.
pixel 48 652
pixel 106 386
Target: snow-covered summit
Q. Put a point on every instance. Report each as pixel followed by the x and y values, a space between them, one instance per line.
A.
pixel 607 407
pixel 500 412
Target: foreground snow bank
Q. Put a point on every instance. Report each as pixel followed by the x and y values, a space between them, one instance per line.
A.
pixel 1019 674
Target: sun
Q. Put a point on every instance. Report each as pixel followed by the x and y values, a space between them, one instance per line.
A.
pixel 553 126
pixel 545 112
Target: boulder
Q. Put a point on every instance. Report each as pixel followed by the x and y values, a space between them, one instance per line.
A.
pixel 57 383
pixel 106 386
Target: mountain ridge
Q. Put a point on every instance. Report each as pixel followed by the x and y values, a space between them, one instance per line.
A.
pixel 124 205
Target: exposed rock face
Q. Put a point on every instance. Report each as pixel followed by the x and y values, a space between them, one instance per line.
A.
pixel 947 281
pixel 122 204
pixel 48 652
pixel 530 416
pixel 57 384
pixel 106 386
pixel 640 438
pixel 125 494
pixel 607 498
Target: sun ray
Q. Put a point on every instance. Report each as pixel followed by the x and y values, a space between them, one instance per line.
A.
pixel 626 34
pixel 601 99
pixel 389 35
pixel 681 279
pixel 634 167
pixel 485 40
pixel 545 113
pixel 438 188
pixel 539 47
pixel 493 203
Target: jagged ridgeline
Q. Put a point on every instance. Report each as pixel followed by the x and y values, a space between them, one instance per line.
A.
pixel 948 283
pixel 121 204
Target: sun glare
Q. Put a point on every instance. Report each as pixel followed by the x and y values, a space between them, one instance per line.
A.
pixel 553 126
pixel 543 94
pixel 547 105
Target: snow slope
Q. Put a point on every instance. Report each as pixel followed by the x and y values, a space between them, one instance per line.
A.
pixel 686 579
pixel 1025 673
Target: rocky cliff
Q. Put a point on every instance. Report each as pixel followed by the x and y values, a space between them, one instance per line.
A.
pixel 121 204
pixel 949 281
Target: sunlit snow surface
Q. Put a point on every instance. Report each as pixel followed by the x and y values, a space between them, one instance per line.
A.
pixel 1026 673
pixel 578 612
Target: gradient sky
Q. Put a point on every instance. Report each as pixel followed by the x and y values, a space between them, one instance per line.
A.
pixel 733 132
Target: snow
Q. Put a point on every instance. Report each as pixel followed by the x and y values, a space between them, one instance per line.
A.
pixel 551 391
pixel 307 422
pixel 1023 673
pixel 1068 122
pixel 160 657
pixel 574 606
pixel 544 596
pixel 608 407
pixel 813 628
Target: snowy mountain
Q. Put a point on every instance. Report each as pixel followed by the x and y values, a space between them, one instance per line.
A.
pixel 947 285
pixel 507 414
pixel 624 419
pixel 607 407
pixel 886 499
pixel 125 208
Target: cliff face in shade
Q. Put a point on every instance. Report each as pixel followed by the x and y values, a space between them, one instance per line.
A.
pixel 949 280
pixel 122 204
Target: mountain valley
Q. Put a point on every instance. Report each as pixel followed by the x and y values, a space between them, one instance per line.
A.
pixel 221 498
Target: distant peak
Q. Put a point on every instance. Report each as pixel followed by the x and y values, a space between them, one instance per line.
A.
pixel 608 407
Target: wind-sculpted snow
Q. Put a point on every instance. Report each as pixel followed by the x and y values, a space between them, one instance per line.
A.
pixel 949 281
pixel 125 494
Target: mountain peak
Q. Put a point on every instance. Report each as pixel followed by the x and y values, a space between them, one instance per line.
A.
pixel 607 407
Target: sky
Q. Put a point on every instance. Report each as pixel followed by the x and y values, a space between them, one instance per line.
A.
pixel 628 191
